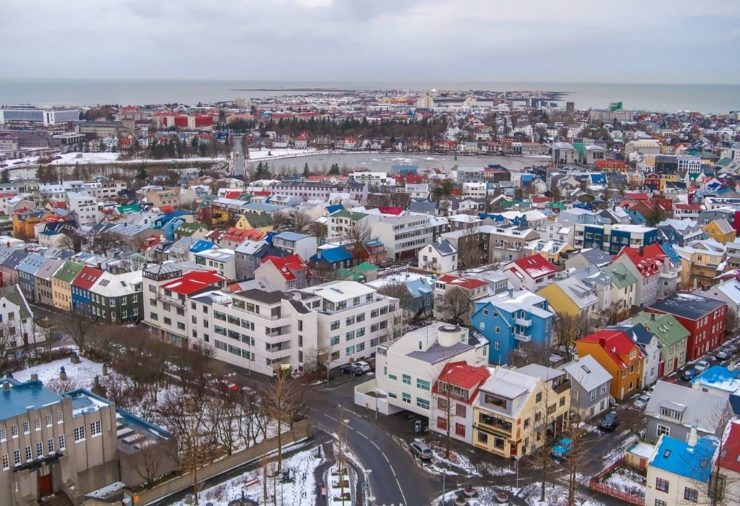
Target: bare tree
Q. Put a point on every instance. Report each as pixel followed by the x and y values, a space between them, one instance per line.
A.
pixel 576 433
pixel 568 330
pixel 317 359
pixel 78 328
pixel 469 252
pixel 280 219
pixel 530 353
pixel 283 400
pixel 323 273
pixel 357 235
pixel 456 304
pixel 301 221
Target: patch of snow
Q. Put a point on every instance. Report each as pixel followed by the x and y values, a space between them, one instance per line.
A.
pixel 82 375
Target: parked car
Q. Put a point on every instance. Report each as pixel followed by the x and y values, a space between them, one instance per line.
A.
pixel 701 365
pixel 352 369
pixel 688 374
pixel 609 422
pixel 561 448
pixel 722 355
pixel 364 365
pixel 421 450
pixel 641 401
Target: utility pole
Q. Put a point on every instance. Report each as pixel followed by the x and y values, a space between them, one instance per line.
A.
pixel 447 388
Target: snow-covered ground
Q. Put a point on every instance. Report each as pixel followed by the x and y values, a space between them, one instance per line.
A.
pixel 301 491
pixel 80 375
pixel 457 464
pixel 555 495
pixel 627 480
pixel 276 154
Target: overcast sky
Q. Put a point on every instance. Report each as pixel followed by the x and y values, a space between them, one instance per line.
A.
pixel 665 41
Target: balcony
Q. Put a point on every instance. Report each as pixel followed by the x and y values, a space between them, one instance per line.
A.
pixel 524 338
pixel 561 387
pixel 171 300
pixel 523 322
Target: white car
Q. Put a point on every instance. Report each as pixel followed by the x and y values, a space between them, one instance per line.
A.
pixel 701 366
pixel 365 366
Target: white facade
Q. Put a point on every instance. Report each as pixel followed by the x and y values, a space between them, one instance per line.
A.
pixel 474 190
pixel 438 257
pixel 401 235
pixel 406 369
pixel 85 207
pixel 222 260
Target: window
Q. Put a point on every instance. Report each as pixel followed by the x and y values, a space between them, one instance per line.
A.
pixel 39 449
pixel 538 398
pixel 691 494
pixel 442 423
pixel 3 435
pixel 62 444
pixel 663 429
pixel 50 445
pixel 29 455
pixel 406 379
pixel 60 416
pixel 26 427
pixel 95 428
pixel 79 434
pixel 460 410
pixel 334 340
pixel 48 420
pixel 660 502
pixel 498 443
pixel 460 429
pixel 482 438
pixel 393 377
pixel 37 424
pixel 423 385
pixel 661 484
pixel 6 462
pixel 422 403
pixel 406 398
pixel 17 457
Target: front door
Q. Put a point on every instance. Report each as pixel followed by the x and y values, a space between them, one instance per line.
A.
pixel 44 481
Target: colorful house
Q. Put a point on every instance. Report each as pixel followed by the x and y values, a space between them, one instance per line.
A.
pixel 720 230
pixel 673 339
pixel 453 395
pixel 81 285
pixel 284 273
pixel 512 320
pixel 573 298
pixel 650 265
pixel 616 353
pixel 532 272
pixel 61 285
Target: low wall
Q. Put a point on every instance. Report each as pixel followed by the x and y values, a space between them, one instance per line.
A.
pixel 299 432
pixel 365 399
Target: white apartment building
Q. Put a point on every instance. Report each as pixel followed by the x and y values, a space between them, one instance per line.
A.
pixel 85 206
pixel 402 235
pixel 475 190
pixel 372 178
pixel 104 190
pixel 439 257
pixel 222 260
pixel 406 369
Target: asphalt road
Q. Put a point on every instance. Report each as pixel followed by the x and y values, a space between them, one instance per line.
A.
pixel 239 161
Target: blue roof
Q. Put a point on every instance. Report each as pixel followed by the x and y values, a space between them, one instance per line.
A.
pixel 677 457
pixel 334 208
pixel 735 404
pixel 31 263
pixel 265 208
pixel 418 287
pixel 671 253
pixel 202 245
pixel 290 236
pixel 332 255
pixel 716 374
pixel 24 396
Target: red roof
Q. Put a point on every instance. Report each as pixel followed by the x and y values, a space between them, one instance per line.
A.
pixel 538 199
pixel 636 196
pixel 648 261
pixel 688 207
pixel 192 281
pixel 391 210
pixel 87 277
pixel 463 375
pixel 469 283
pixel 729 457
pixel 616 343
pixel 233 194
pixel 287 266
pixel 536 266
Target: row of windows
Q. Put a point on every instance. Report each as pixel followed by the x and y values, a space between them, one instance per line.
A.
pixel 29 454
pixel 27 426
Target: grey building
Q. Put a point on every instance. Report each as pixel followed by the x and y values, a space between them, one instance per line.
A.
pixel 674 410
pixel 247 257
pixel 590 384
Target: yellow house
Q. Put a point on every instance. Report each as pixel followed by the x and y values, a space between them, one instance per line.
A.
pixel 699 265
pixel 61 285
pixel 515 410
pixel 720 230
pixel 254 221
pixel 571 297
pixel 667 178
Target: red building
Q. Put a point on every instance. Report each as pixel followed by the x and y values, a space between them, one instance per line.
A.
pixel 704 318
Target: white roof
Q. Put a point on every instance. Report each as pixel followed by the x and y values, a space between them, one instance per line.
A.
pixel 218 254
pixel 116 285
pixel 338 291
pixel 587 372
pixel 731 288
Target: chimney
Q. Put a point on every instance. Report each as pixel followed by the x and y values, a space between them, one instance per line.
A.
pixel 692 439
pixel 34 377
pixel 642 250
pixel 602 342
pixel 511 293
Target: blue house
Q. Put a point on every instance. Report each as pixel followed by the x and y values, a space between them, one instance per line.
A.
pixel 511 320
pixel 334 258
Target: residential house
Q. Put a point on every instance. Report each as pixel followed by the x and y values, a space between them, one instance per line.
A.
pixel 220 260
pixel 728 465
pixel 284 273
pixel 61 285
pixel 453 396
pixel 612 238
pixel 344 224
pixel 81 285
pixel 16 319
pixel 439 257
pixel 570 297
pixel 44 290
pixel 720 230
pixel 590 386
pixel 656 275
pixel 507 242
pixel 530 273
pixel 673 339
pixel 247 258
pixel 302 245
pixel 511 321
pixel 408 367
pixel 650 346
pixel 704 318
pixel 27 269
pixel 454 297
pixel 9 266
pixel 674 410
pixel 701 262
pixel 728 292
pixel 623 291
pixel 680 231
pixel 331 257
pixel 680 470
pixel 118 298
pixel 588 257
pixel 619 355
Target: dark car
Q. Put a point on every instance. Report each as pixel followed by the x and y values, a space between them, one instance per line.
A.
pixel 688 374
pixel 722 355
pixel 355 369
pixel 609 422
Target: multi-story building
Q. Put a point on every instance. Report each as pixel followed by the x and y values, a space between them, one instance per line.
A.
pixel 506 243
pixel 16 319
pixel 68 445
pixel 673 338
pixel 531 272
pixel 117 298
pixel 30 114
pixel 454 296
pixel 571 297
pixel 284 273
pixel 612 238
pixel 407 367
pixel 27 269
pixel 403 235
pixel 61 285
pixel 701 262
pixel 704 318
pixel 81 297
pixel 343 224
pixel 616 353
pixel 44 291
pixel 510 320
pixel 590 386
pixel 303 245
pixel 160 197
pixel 439 257
pixel 656 275
pixel 220 260
pixel 85 207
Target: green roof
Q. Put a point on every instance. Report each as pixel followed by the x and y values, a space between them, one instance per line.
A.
pixel 668 330
pixel 354 216
pixel 259 220
pixel 620 276
pixel 129 208
pixel 188 229
pixel 68 272
pixel 365 266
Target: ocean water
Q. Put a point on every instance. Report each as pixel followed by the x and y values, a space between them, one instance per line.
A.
pixel 707 98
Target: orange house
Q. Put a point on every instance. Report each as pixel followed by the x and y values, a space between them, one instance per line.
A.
pixel 616 352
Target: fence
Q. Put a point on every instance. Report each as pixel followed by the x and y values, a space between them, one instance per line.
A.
pixel 595 484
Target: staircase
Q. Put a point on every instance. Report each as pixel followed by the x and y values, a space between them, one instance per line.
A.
pixel 58 499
